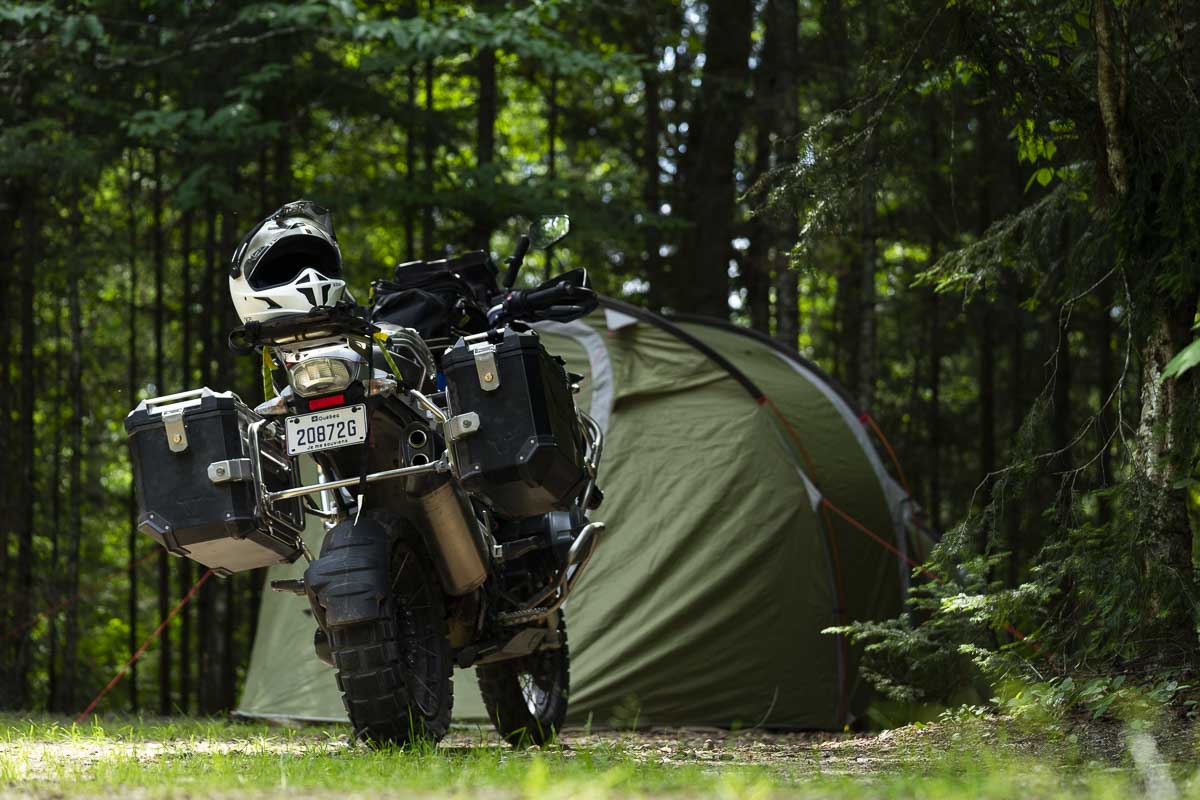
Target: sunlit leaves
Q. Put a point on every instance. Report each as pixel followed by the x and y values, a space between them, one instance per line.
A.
pixel 1184 360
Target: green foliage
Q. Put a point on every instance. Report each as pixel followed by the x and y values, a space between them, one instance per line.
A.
pixel 1139 704
pixel 1103 222
pixel 1184 360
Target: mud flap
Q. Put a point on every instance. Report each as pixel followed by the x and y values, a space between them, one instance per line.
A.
pixel 349 582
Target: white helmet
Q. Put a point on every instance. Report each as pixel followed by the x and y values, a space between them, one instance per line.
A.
pixel 288 264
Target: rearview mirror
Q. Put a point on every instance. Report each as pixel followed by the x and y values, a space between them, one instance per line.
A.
pixel 548 230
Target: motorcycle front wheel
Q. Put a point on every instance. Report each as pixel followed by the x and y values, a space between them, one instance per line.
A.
pixel 394 672
pixel 526 698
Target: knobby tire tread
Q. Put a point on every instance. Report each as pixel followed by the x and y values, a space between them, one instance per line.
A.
pixel 505 704
pixel 369 660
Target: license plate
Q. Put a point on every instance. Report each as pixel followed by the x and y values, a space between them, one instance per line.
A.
pixel 325 430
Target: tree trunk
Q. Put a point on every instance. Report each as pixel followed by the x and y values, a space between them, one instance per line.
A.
pixel 283 168
pixel 205 619
pixel 700 281
pixel 988 157
pixel 846 307
pixel 933 424
pixel 427 136
pixel 865 359
pixel 184 567
pixel 1164 443
pixel 755 269
pixel 835 52
pixel 228 629
pixel 226 316
pixel 263 176
pixel 865 352
pixel 1061 421
pixel 775 107
pixel 1111 94
pixel 31 242
pixel 158 248
pixel 1163 446
pixel 787 307
pixel 987 393
pixel 552 152
pixel 652 265
pixel 1017 408
pixel 1106 426
pixel 208 299
pixel 933 419
pixel 78 493
pixel 8 274
pixel 132 373
pixel 58 400
pixel 486 106
pixel 783 34
pixel 410 165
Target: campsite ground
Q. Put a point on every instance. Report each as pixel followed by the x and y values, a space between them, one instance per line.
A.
pixel 968 757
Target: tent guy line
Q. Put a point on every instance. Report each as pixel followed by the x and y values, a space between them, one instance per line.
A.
pixel 145 646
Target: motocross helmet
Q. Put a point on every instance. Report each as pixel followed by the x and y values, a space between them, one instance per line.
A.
pixel 288 264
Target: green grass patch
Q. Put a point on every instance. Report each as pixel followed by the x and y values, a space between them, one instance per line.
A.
pixel 200 758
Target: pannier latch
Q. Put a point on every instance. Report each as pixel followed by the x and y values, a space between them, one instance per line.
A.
pixel 463 425
pixel 176 430
pixel 235 469
pixel 485 365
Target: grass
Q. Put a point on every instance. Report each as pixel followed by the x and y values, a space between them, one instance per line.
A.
pixel 121 757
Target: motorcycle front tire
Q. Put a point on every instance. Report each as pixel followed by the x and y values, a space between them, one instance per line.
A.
pixel 395 672
pixel 526 698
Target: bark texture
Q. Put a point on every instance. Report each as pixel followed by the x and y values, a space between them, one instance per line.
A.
pixel 700 273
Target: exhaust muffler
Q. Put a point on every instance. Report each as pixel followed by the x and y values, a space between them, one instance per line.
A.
pixel 455 539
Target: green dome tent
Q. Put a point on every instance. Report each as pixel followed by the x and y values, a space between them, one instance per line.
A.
pixel 747 510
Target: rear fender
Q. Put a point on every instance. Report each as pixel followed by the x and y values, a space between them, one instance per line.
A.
pixel 348 584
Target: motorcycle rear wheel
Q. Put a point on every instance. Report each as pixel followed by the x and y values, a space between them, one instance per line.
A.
pixel 394 672
pixel 526 698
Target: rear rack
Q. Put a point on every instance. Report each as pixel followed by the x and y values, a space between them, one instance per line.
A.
pixel 320 323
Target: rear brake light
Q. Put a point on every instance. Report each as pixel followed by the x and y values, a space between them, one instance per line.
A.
pixel 327 402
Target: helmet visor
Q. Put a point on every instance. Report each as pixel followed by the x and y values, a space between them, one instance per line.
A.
pixel 290 255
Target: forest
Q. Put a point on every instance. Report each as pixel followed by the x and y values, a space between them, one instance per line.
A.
pixel 983 218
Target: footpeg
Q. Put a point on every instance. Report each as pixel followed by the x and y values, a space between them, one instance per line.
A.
pixel 290 585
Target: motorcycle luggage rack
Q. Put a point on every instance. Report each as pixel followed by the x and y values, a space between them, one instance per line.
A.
pixel 320 323
pixel 266 499
pixel 264 510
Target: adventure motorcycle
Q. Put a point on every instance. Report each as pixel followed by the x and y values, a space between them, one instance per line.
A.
pixel 440 444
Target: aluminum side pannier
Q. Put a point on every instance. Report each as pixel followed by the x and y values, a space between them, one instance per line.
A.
pixel 527 456
pixel 193 465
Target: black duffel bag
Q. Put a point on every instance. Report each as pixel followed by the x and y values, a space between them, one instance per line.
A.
pixel 439 299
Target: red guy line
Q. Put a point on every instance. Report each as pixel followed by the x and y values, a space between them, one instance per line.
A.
pixel 141 650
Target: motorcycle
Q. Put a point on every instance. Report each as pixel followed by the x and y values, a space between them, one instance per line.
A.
pixel 449 464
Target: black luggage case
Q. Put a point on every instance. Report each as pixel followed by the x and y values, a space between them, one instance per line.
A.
pixel 195 493
pixel 526 457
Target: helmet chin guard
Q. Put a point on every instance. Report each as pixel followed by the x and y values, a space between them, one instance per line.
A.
pixel 310 289
pixel 289 263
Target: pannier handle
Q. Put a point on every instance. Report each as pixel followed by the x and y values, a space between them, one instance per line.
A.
pixel 173 399
pixel 170 407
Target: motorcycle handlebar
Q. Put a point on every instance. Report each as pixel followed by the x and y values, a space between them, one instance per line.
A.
pixel 549 302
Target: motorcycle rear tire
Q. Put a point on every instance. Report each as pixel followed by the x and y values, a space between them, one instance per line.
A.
pixel 526 698
pixel 394 672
